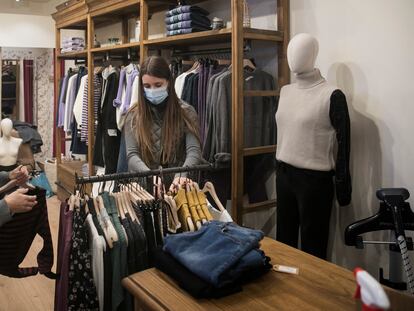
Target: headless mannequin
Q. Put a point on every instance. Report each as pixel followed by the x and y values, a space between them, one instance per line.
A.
pixel 9 146
pixel 312 119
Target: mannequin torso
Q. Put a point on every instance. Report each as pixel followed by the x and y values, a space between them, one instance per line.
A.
pixel 9 146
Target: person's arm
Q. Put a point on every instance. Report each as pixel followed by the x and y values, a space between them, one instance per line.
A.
pixel 192 150
pixel 135 163
pixel 339 116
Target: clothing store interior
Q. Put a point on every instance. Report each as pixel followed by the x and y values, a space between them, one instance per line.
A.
pixel 206 155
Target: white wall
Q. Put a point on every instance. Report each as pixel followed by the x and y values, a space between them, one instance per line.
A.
pixel 367 48
pixel 28 31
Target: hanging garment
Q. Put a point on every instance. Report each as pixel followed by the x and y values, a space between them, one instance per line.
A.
pixel 97 89
pixel 118 252
pixel 70 101
pixel 17 236
pixel 108 137
pixel 77 146
pixel 64 250
pixel 62 98
pixel 97 247
pixel 107 274
pixel 82 293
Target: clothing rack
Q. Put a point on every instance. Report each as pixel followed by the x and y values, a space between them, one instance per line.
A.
pixel 179 53
pixel 156 172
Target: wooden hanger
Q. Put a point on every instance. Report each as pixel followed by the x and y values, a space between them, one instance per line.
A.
pixel 224 62
pixel 208 187
pixel 248 63
pixel 71 202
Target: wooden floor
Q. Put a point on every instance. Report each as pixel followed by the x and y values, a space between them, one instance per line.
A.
pixel 33 293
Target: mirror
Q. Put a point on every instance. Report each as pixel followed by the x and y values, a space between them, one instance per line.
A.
pixel 10 89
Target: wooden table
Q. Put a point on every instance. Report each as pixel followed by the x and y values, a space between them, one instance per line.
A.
pixel 320 285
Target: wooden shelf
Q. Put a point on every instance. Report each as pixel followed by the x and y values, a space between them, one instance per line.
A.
pixel 256 93
pixel 117 8
pixel 73 55
pixel 214 36
pixel 255 207
pixel 259 150
pixel 116 47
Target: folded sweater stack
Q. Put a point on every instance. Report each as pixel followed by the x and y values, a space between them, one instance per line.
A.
pixel 186 19
pixel 71 44
pixel 215 260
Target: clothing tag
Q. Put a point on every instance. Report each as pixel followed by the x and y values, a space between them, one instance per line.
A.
pixel 249 78
pixel 112 133
pixel 286 269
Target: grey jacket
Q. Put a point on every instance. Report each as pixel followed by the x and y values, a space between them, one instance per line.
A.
pixel 259 125
pixel 188 152
pixel 4 209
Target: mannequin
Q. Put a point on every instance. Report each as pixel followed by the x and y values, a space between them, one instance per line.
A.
pixel 312 122
pixel 9 146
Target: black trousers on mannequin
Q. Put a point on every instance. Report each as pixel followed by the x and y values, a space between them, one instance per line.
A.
pixel 304 200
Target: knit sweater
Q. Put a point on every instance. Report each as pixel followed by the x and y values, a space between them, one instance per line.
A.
pixel 188 152
pixel 312 119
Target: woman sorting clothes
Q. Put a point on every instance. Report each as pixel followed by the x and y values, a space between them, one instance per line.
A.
pixel 161 129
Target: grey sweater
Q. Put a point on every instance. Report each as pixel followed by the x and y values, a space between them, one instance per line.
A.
pixel 188 152
pixel 4 209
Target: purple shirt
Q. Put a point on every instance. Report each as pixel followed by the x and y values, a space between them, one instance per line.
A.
pixel 64 249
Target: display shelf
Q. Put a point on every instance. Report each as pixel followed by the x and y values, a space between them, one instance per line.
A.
pixel 71 15
pixel 116 47
pixel 73 55
pixel 214 36
pixel 259 150
pixel 255 207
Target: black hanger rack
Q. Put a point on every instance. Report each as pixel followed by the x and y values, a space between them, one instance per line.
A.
pixel 156 172
pixel 208 52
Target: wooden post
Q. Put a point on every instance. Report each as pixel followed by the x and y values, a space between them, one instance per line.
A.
pixel 143 52
pixel 58 74
pixel 237 172
pixel 91 97
pixel 283 24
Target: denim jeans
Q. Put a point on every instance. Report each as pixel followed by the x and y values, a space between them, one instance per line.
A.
pixel 214 249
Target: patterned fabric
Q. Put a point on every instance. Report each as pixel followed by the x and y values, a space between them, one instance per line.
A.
pixel 82 291
pixel 97 87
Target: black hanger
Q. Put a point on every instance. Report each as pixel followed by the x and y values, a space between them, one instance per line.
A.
pixel 394 214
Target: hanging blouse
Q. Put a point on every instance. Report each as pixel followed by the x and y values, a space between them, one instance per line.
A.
pixel 82 293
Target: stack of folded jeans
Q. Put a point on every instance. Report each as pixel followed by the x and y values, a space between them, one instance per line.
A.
pixel 186 19
pixel 215 260
pixel 71 44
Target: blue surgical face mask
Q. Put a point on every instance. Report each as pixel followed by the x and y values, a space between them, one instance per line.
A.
pixel 156 96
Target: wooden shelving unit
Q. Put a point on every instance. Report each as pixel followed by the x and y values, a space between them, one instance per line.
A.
pixel 119 47
pixel 90 14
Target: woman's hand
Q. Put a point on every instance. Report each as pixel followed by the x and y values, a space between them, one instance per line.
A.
pixel 19 202
pixel 178 182
pixel 20 174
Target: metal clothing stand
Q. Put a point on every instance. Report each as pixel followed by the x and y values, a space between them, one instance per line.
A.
pixel 157 172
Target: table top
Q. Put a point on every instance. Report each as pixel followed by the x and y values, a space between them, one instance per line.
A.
pixel 320 285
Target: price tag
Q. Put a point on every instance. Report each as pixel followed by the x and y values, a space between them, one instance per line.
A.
pixel 286 269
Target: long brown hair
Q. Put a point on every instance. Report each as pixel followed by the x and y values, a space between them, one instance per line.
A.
pixel 176 120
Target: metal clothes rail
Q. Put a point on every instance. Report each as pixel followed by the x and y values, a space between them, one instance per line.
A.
pixel 157 172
